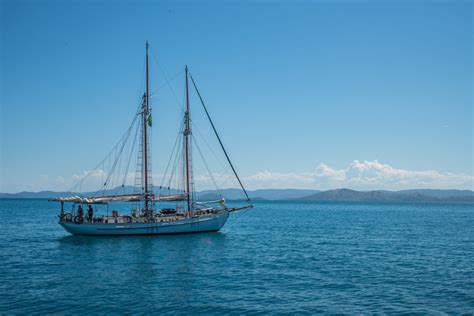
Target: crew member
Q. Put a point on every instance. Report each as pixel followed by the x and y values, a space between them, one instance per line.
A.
pixel 80 211
pixel 90 213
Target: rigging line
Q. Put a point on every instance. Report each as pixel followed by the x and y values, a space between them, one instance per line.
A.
pixel 177 155
pixel 175 149
pixel 165 84
pixel 130 150
pixel 101 163
pixel 218 138
pixel 196 128
pixel 150 170
pixel 142 82
pixel 207 167
pixel 120 165
pixel 166 79
pixel 175 164
pixel 131 154
pixel 117 155
pixel 240 214
pixel 227 179
pixel 210 148
pixel 167 180
pixel 179 104
pixel 169 161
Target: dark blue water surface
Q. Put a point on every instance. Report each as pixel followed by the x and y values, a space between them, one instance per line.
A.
pixel 281 257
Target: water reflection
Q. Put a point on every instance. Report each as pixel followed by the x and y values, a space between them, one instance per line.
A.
pixel 161 264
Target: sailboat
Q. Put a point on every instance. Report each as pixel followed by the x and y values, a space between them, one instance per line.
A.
pixel 185 215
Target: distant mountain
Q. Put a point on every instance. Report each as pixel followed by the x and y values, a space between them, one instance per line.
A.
pixel 281 194
pixel 209 196
pixel 262 194
pixel 420 195
pixel 393 196
pixel 230 194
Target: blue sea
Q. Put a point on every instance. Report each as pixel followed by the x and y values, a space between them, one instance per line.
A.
pixel 279 258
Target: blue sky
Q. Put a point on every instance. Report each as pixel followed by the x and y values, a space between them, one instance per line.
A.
pixel 309 94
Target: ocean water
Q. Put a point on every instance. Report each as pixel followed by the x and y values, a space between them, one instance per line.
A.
pixel 279 258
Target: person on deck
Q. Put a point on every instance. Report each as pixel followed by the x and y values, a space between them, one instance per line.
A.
pixel 80 212
pixel 90 213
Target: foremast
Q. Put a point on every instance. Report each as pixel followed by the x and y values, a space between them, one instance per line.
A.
pixel 146 120
pixel 187 134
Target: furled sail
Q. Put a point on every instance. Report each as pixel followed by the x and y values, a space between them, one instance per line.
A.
pixel 119 198
pixel 170 198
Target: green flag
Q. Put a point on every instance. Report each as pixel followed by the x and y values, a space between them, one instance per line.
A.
pixel 149 120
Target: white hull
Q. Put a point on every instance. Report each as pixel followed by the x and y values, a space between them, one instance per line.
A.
pixel 205 223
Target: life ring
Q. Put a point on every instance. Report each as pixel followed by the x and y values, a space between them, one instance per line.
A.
pixel 78 219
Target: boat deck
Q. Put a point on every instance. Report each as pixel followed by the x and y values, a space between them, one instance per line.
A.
pixel 153 226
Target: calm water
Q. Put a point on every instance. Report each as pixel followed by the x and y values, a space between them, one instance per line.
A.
pixel 281 257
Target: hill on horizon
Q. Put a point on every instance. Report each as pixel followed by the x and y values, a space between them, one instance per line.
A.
pixel 422 195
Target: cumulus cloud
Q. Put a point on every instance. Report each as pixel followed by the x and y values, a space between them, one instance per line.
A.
pixel 362 175
pixel 359 175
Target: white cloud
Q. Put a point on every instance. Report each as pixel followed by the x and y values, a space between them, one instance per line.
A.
pixel 362 175
pixel 359 175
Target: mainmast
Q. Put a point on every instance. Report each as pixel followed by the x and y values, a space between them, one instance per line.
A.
pixel 187 133
pixel 145 113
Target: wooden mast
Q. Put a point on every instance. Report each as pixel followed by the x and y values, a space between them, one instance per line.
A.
pixel 145 135
pixel 187 132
